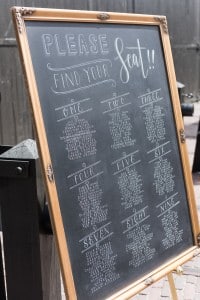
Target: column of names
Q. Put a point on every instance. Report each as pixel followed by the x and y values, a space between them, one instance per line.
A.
pixel 96 246
pixel 162 169
pixel 138 236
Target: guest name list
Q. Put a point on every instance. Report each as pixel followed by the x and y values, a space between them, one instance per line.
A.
pixel 115 154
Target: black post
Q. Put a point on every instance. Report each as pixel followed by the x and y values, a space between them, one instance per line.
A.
pixel 20 226
pixel 196 161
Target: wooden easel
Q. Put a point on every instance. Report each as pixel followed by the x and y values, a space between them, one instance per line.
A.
pixel 172 286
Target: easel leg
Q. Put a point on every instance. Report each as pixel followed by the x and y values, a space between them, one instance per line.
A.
pixel 172 286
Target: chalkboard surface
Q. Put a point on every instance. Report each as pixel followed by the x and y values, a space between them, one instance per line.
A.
pixel 111 132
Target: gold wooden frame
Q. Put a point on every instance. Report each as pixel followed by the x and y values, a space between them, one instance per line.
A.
pixel 20 15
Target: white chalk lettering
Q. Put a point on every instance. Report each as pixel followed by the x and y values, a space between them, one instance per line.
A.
pixel 82 76
pixel 132 58
pixel 150 97
pixel 135 219
pixel 85 174
pixel 127 160
pixel 96 236
pixel 74 44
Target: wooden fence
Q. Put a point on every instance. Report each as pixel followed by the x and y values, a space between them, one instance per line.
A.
pixel 184 27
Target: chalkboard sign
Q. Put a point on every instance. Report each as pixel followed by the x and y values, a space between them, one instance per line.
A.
pixel 111 139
